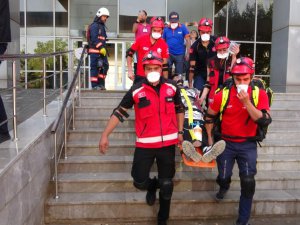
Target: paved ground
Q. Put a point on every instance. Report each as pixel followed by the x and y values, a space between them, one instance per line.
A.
pixel 28 102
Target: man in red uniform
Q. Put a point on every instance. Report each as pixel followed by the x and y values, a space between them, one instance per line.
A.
pixel 145 43
pixel 240 119
pixel 159 115
pixel 218 68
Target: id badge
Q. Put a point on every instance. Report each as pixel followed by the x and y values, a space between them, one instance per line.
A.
pixel 145 30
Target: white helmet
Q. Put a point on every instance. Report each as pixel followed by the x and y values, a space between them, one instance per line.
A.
pixel 102 12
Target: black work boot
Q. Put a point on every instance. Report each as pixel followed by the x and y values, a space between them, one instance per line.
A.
pixel 151 192
pixel 221 194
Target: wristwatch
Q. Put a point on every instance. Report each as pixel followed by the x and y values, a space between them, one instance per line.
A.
pixel 181 132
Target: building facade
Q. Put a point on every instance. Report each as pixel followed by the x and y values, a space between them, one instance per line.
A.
pixel 62 23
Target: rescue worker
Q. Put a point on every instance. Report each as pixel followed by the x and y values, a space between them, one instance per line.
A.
pixel 143 44
pixel 194 131
pixel 140 28
pixel 159 127
pixel 200 52
pixel 218 68
pixel 240 120
pixel 176 35
pixel 98 55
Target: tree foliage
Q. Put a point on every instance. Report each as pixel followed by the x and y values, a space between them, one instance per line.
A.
pixel 37 63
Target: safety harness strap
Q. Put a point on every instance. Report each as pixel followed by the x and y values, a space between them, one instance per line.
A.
pixel 190 112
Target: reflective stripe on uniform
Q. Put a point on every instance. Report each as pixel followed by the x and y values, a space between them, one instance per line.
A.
pixel 102 76
pixel 92 50
pixel 98 45
pixel 94 79
pixel 167 137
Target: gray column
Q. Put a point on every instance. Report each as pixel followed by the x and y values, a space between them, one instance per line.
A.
pixel 285 57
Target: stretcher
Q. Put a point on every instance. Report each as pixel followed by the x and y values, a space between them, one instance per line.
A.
pixel 191 163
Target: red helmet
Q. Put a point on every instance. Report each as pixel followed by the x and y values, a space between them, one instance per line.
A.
pixel 157 22
pixel 153 58
pixel 222 42
pixel 243 65
pixel 205 24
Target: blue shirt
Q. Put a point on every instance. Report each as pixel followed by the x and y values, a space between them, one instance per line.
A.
pixel 175 39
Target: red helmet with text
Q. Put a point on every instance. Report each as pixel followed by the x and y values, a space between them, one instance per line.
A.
pixel 157 22
pixel 222 42
pixel 152 58
pixel 205 25
pixel 243 65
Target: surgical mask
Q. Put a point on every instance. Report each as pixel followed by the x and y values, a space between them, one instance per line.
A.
pixel 205 37
pixel 174 25
pixel 243 87
pixel 156 35
pixel 153 77
pixel 222 56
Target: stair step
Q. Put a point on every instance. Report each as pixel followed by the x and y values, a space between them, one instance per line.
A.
pixel 123 163
pixel 90 148
pixel 286 96
pixel 103 111
pixel 95 134
pixel 183 181
pixel 97 122
pixel 93 93
pixel 265 220
pixel 124 206
pixel 96 101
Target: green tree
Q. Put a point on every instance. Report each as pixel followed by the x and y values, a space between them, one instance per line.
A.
pixel 37 63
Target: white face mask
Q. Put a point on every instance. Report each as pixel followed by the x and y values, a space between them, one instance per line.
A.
pixel 156 35
pixel 243 87
pixel 205 37
pixel 153 77
pixel 222 56
pixel 174 25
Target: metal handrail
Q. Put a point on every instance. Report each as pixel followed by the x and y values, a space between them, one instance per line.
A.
pixel 14 58
pixel 27 56
pixel 63 111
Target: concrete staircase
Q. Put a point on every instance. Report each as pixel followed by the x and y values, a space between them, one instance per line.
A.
pixel 96 189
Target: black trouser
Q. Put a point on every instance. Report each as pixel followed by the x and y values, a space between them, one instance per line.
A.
pixel 165 160
pixel 3 117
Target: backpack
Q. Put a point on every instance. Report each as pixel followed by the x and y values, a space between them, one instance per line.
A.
pixel 256 84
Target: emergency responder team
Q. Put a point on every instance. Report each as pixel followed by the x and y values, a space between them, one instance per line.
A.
pixel 160 105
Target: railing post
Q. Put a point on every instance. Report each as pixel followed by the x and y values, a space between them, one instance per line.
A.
pixel 84 72
pixel 73 109
pixel 60 78
pixel 79 88
pixel 15 101
pixel 65 132
pixel 55 166
pixel 44 87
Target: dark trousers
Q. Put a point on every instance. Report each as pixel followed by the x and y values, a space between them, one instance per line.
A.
pixel 245 154
pixel 165 160
pixel 3 117
pixel 98 73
